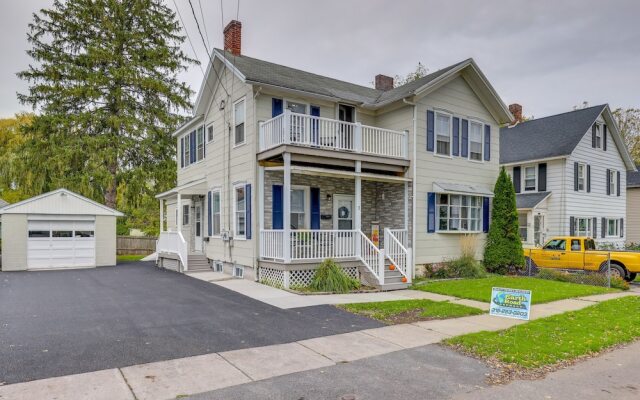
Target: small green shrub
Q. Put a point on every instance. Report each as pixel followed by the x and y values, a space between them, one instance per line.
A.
pixel 595 279
pixel 329 277
pixel 463 267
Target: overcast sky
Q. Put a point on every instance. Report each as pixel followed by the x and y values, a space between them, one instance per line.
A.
pixel 547 55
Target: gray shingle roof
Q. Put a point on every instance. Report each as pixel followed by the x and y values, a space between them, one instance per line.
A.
pixel 552 136
pixel 530 200
pixel 260 71
pixel 633 178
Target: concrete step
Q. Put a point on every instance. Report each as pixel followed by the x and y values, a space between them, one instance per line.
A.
pixel 391 274
pixel 394 286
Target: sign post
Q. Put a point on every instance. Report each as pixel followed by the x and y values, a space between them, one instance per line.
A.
pixel 510 303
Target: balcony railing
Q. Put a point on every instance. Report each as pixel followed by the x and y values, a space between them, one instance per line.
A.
pixel 331 134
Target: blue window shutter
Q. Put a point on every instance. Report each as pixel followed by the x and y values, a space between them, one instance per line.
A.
pixel 276 208
pixel 431 212
pixel 456 136
pixel 315 208
pixel 276 107
pixel 209 216
pixel 485 214
pixel 487 142
pixel 465 138
pixel 430 130
pixel 248 220
pixel 315 112
pixel 182 152
pixel 192 147
pixel 604 137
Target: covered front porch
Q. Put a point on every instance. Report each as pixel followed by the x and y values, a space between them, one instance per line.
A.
pixel 361 219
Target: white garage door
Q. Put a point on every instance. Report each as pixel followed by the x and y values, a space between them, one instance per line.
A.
pixel 61 244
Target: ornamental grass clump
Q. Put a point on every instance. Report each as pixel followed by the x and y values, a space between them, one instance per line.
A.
pixel 329 277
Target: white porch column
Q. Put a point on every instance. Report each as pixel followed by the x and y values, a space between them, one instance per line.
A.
pixel 357 217
pixel 406 209
pixel 161 215
pixel 260 201
pixel 179 207
pixel 286 208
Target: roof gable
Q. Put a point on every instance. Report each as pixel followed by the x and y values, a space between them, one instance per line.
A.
pixel 60 202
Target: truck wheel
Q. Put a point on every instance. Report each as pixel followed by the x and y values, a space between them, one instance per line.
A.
pixel 632 276
pixel 534 267
pixel 616 270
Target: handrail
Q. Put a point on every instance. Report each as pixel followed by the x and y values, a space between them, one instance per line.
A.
pixel 372 257
pixel 397 253
pixel 174 242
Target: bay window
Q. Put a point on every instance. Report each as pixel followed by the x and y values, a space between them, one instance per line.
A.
pixel 443 134
pixel 475 141
pixel 459 213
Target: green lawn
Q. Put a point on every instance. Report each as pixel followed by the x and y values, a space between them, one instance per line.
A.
pixel 567 336
pixel 404 311
pixel 542 291
pixel 129 257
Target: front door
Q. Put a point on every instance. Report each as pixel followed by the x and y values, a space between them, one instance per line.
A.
pixel 198 226
pixel 343 206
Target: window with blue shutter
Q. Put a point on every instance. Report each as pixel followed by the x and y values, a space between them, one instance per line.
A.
pixel 276 107
pixel 247 197
pixel 485 215
pixel 487 142
pixel 431 212
pixel 465 138
pixel 430 130
pixel 315 208
pixel 456 136
pixel 209 216
pixel 276 208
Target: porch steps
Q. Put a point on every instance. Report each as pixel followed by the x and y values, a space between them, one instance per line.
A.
pixel 392 279
pixel 198 262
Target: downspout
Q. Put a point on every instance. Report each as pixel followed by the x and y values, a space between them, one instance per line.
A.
pixel 257 144
pixel 413 185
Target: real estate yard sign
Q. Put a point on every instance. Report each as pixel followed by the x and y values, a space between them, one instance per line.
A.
pixel 510 303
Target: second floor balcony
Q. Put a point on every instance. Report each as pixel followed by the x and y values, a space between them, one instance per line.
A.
pixel 291 128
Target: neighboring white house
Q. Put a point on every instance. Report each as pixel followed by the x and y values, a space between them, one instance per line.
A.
pixel 569 173
pixel 633 207
pixel 280 168
pixel 59 229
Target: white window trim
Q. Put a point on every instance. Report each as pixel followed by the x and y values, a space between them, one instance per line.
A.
pixel 244 141
pixel 337 110
pixel 526 225
pixel 613 182
pixel 187 214
pixel 589 232
pixel 187 164
pixel 288 100
pixel 307 204
pixel 219 192
pixel 524 178
pixel 206 133
pixel 617 233
pixel 584 176
pixel 235 211
pixel 481 160
pixel 435 134
pixel 459 231
pixel 599 135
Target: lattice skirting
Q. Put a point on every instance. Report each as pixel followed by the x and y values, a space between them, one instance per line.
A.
pixel 295 278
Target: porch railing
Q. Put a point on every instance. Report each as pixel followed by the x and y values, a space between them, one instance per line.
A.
pixel 402 235
pixel 326 133
pixel 397 253
pixel 173 242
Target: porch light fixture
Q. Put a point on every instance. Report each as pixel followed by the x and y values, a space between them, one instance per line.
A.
pixel 328 196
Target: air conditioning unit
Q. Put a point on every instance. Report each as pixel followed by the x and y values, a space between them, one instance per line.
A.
pixel 238 271
pixel 218 266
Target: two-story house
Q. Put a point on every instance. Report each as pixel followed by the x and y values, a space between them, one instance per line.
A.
pixel 280 168
pixel 569 173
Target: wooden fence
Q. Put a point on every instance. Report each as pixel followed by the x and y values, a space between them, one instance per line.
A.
pixel 136 245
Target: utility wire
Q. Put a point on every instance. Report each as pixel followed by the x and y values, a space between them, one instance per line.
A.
pixel 203 22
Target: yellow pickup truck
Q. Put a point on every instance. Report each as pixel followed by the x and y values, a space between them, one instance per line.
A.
pixel 579 253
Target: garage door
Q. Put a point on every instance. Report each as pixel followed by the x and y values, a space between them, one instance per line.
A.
pixel 61 244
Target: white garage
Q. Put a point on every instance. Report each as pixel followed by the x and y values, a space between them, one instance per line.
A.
pixel 59 229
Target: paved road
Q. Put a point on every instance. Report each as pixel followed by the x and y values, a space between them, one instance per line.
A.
pixel 55 323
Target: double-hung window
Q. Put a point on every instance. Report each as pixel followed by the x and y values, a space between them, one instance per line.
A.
pixel 298 208
pixel 200 144
pixel 186 149
pixel 612 183
pixel 475 141
pixel 443 134
pixel 522 226
pixel 582 177
pixel 529 179
pixel 239 121
pixel 185 214
pixel 599 130
pixel 583 227
pixel 613 227
pixel 240 211
pixel 215 212
pixel 459 213
pixel 210 132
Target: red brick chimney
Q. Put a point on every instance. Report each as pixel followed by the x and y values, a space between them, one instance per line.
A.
pixel 384 82
pixel 233 37
pixel 516 110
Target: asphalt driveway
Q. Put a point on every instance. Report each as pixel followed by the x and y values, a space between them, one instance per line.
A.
pixel 55 323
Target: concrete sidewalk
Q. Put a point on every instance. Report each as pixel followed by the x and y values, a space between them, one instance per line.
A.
pixel 185 376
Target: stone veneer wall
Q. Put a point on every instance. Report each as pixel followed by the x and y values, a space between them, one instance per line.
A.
pixel 381 201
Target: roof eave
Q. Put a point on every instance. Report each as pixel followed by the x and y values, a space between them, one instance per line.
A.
pixel 534 160
pixel 617 137
pixel 187 125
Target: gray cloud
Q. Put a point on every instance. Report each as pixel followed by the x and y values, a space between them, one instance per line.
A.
pixel 547 55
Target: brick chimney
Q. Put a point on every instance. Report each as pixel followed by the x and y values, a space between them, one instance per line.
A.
pixel 233 37
pixel 516 110
pixel 384 82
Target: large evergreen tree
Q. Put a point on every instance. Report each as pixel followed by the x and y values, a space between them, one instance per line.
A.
pixel 105 87
pixel 504 248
